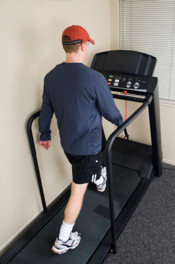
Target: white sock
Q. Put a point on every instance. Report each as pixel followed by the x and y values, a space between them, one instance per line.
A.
pixel 65 231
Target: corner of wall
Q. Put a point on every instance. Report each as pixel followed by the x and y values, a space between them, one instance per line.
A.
pixel 114 24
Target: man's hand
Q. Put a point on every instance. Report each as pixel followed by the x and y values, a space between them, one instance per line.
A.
pixel 45 144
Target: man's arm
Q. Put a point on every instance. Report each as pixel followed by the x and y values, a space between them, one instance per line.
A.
pixel 106 104
pixel 45 119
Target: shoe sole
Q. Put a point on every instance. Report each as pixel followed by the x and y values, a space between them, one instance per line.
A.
pixel 57 251
pixel 102 190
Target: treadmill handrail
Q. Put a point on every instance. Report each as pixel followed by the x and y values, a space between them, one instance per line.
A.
pixel 120 128
pixel 35 161
pixel 108 149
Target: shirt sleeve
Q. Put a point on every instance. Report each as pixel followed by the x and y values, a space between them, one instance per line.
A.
pixel 45 116
pixel 105 102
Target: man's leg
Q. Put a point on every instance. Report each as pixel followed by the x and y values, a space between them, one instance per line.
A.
pixel 71 214
pixel 72 210
pixel 75 202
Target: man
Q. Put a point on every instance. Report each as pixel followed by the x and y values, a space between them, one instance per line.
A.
pixel 79 97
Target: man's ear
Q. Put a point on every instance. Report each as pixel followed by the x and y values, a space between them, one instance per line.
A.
pixel 82 46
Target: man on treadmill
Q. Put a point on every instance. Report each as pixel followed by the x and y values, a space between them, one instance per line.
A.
pixel 79 97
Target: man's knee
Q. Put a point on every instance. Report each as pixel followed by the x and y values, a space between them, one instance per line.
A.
pixel 79 189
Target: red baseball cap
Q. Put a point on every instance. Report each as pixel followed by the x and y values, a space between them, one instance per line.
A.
pixel 77 34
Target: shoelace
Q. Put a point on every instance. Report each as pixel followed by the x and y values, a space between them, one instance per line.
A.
pixel 74 235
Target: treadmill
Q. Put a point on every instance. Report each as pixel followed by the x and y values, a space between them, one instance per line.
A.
pixel 131 166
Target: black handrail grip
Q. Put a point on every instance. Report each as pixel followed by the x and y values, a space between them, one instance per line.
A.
pixel 29 129
pixel 109 145
pixel 32 147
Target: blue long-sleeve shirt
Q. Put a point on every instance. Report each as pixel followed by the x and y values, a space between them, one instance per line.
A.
pixel 79 96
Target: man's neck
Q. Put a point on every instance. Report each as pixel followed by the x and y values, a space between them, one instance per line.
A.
pixel 73 58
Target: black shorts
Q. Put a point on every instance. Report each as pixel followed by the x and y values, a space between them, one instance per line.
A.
pixel 85 168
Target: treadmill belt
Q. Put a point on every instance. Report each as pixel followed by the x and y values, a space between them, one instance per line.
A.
pixel 93 223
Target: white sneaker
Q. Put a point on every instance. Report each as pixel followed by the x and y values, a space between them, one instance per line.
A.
pixel 61 247
pixel 102 186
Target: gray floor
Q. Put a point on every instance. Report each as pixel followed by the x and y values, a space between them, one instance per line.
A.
pixel 149 236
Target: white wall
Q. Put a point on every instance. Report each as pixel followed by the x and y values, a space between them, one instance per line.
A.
pixel 30 33
pixel 167 114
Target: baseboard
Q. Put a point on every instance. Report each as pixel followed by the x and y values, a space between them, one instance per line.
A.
pixel 171 162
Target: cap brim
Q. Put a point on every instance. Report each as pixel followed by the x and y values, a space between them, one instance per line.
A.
pixel 92 41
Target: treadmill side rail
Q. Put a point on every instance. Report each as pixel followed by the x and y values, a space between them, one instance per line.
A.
pixel 109 145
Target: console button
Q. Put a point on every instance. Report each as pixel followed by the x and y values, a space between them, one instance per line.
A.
pixel 128 84
pixel 136 85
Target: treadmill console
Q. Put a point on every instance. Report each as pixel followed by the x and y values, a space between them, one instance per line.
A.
pixel 127 70
pixel 130 83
